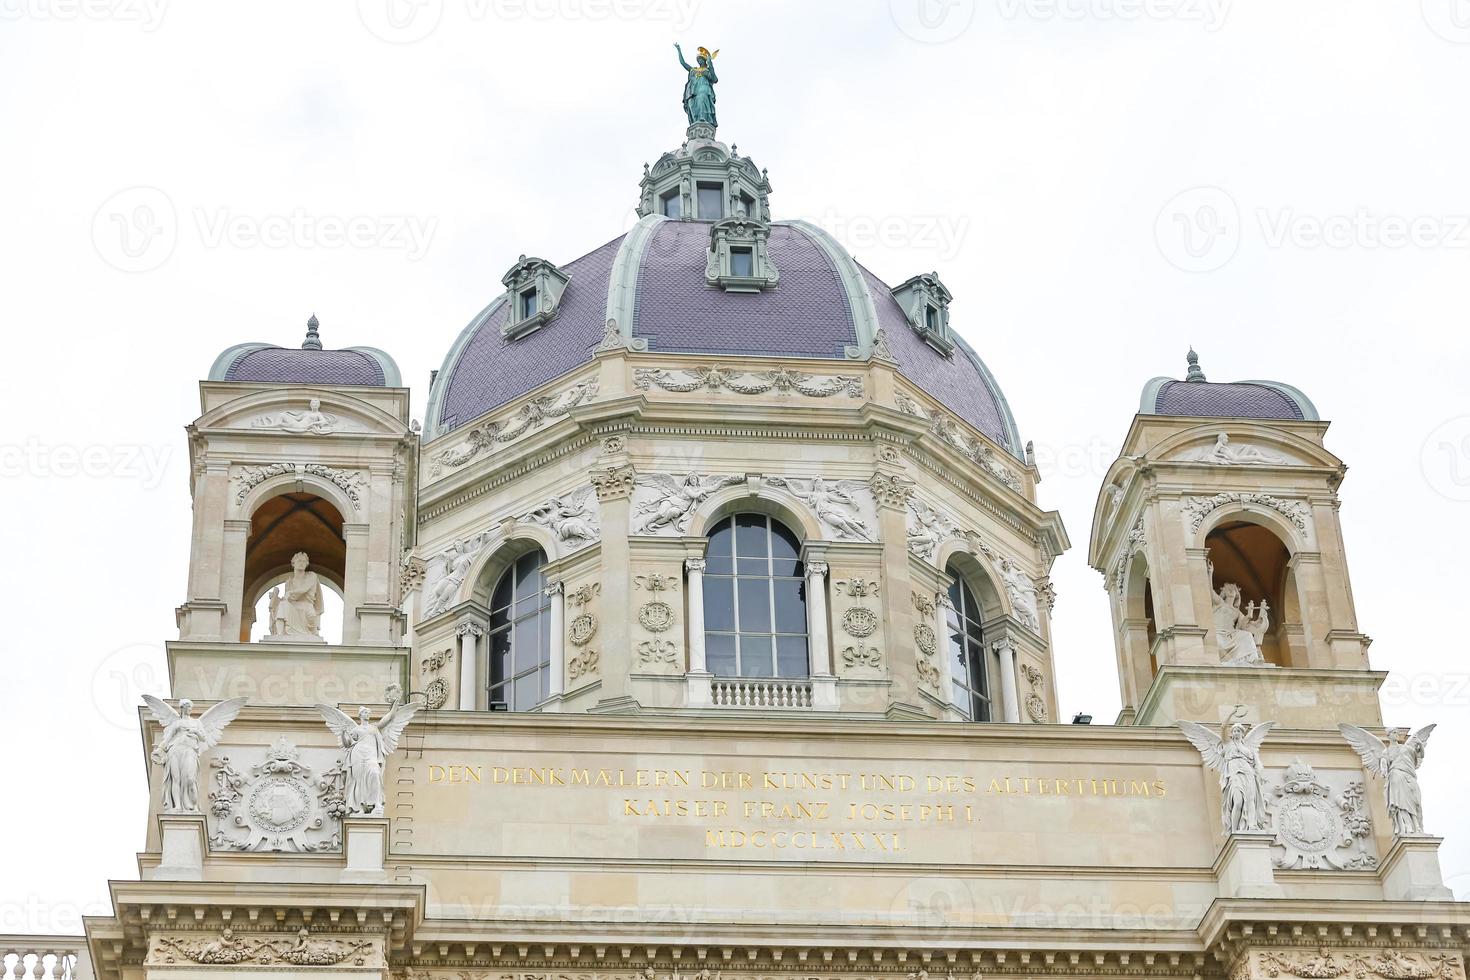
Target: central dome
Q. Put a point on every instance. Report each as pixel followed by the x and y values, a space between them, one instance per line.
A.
pixel 652 283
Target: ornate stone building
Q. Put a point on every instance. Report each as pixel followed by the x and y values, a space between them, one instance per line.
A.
pixel 704 631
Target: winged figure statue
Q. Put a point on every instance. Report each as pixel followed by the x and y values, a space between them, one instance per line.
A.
pixel 184 739
pixel 677 499
pixel 1397 762
pixel 1235 754
pixel 367 747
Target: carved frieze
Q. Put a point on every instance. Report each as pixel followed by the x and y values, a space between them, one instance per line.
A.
pixel 720 378
pixel 664 504
pixel 1358 963
pixel 842 506
pixel 1196 509
pixel 532 415
pixel 350 482
pixel 571 519
pixel 230 949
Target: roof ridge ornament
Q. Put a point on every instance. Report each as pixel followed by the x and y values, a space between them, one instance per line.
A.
pixel 313 340
pixel 1195 374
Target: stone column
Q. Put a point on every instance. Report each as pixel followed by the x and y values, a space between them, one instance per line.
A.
pixel 819 645
pixel 469 664
pixel 891 492
pixel 557 592
pixel 697 682
pixel 232 577
pixel 614 483
pixel 1011 705
pixel 354 580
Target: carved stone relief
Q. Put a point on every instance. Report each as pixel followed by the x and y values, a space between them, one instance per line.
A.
pixel 664 504
pixel 1358 963
pixel 842 506
pixel 850 596
pixel 350 482
pixel 1035 700
pixel 532 415
pixel 1223 452
pixel 720 378
pixel 571 519
pixel 313 421
pixel 278 804
pixel 1196 509
pixel 1317 828
pixel 581 630
pixel 233 950
pixel 447 571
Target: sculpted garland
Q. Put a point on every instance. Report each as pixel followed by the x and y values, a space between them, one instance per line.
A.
pixel 350 482
pixel 720 378
pixel 1198 508
pixel 532 415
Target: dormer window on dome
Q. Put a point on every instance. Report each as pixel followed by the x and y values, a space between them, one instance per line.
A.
pixel 533 295
pixel 739 258
pixel 925 301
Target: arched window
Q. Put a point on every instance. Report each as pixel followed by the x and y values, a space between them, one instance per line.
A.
pixel 754 600
pixel 968 659
pixel 520 636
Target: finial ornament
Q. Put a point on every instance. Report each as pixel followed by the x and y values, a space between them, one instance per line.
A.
pixel 1195 374
pixel 312 341
pixel 699 89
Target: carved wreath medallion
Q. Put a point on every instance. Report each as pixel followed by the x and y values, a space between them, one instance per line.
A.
pixel 925 639
pixel 436 693
pixel 582 629
pixel 859 622
pixel 656 617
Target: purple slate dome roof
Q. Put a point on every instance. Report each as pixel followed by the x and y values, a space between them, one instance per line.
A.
pixel 1194 396
pixel 307 365
pixel 652 281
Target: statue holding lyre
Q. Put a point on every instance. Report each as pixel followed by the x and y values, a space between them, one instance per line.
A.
pixel 699 90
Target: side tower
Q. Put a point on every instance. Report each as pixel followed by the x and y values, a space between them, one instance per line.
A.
pixel 1218 537
pixel 302 477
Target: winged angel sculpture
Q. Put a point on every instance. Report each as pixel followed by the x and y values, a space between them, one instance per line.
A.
pixel 835 503
pixel 367 747
pixel 677 498
pixel 184 739
pixel 1397 763
pixel 1235 754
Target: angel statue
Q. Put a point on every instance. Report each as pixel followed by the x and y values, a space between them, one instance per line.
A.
pixel 677 499
pixel 1236 755
pixel 836 506
pixel 184 738
pixel 699 90
pixel 1239 633
pixel 1397 761
pixel 368 747
pixel 570 519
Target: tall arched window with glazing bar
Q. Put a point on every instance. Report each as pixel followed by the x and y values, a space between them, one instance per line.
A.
pixel 755 615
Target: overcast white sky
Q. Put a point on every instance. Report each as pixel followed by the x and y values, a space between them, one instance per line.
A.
pixel 1101 182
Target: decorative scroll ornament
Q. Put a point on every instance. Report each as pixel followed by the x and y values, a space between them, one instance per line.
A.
pixel 583 664
pixel 881 350
pixel 1133 542
pixel 835 504
pixel 1385 964
pixel 532 415
pixel 857 588
pixel 1198 508
pixel 582 629
pixel 860 656
pixel 570 519
pixel 1235 754
pixel 720 378
pixel 232 950
pixel 313 421
pixel 1397 763
pixel 183 740
pixel 1035 703
pixel 280 805
pixel 924 604
pixel 652 652
pixel 667 503
pixel 350 482
pixel 1314 830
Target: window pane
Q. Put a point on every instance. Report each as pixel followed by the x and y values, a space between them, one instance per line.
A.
pixel 753 566
pixel 791 658
pixel 526 692
pixel 526 644
pixel 500 656
pixel 783 542
pixel 719 604
pixel 981 710
pixel 501 694
pixel 671 205
pixel 528 304
pixel 755 656
pixel 721 539
pixel 751 537
pixel 755 604
pixel 742 262
pixel 719 653
pixel 711 201
pixel 502 592
pixel 790 606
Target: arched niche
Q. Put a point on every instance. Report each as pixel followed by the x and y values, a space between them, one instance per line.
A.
pixel 1254 557
pixel 498 559
pixel 282 524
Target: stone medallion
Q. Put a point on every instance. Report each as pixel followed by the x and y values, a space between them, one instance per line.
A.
pixel 859 622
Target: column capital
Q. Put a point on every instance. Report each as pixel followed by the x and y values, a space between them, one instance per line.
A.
pixel 694 565
pixel 1005 644
pixel 555 589
pixel 614 482
pixel 469 629
pixel 817 569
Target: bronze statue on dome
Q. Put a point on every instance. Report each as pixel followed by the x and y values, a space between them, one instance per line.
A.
pixel 699 90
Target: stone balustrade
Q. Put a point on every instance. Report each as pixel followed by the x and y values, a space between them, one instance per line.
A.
pixel 44 958
pixel 748 692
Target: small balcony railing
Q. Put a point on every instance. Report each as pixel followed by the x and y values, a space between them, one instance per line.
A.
pixel 761 692
pixel 44 958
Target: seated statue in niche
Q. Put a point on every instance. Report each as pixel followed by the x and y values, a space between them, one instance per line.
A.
pixel 296 605
pixel 1239 632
